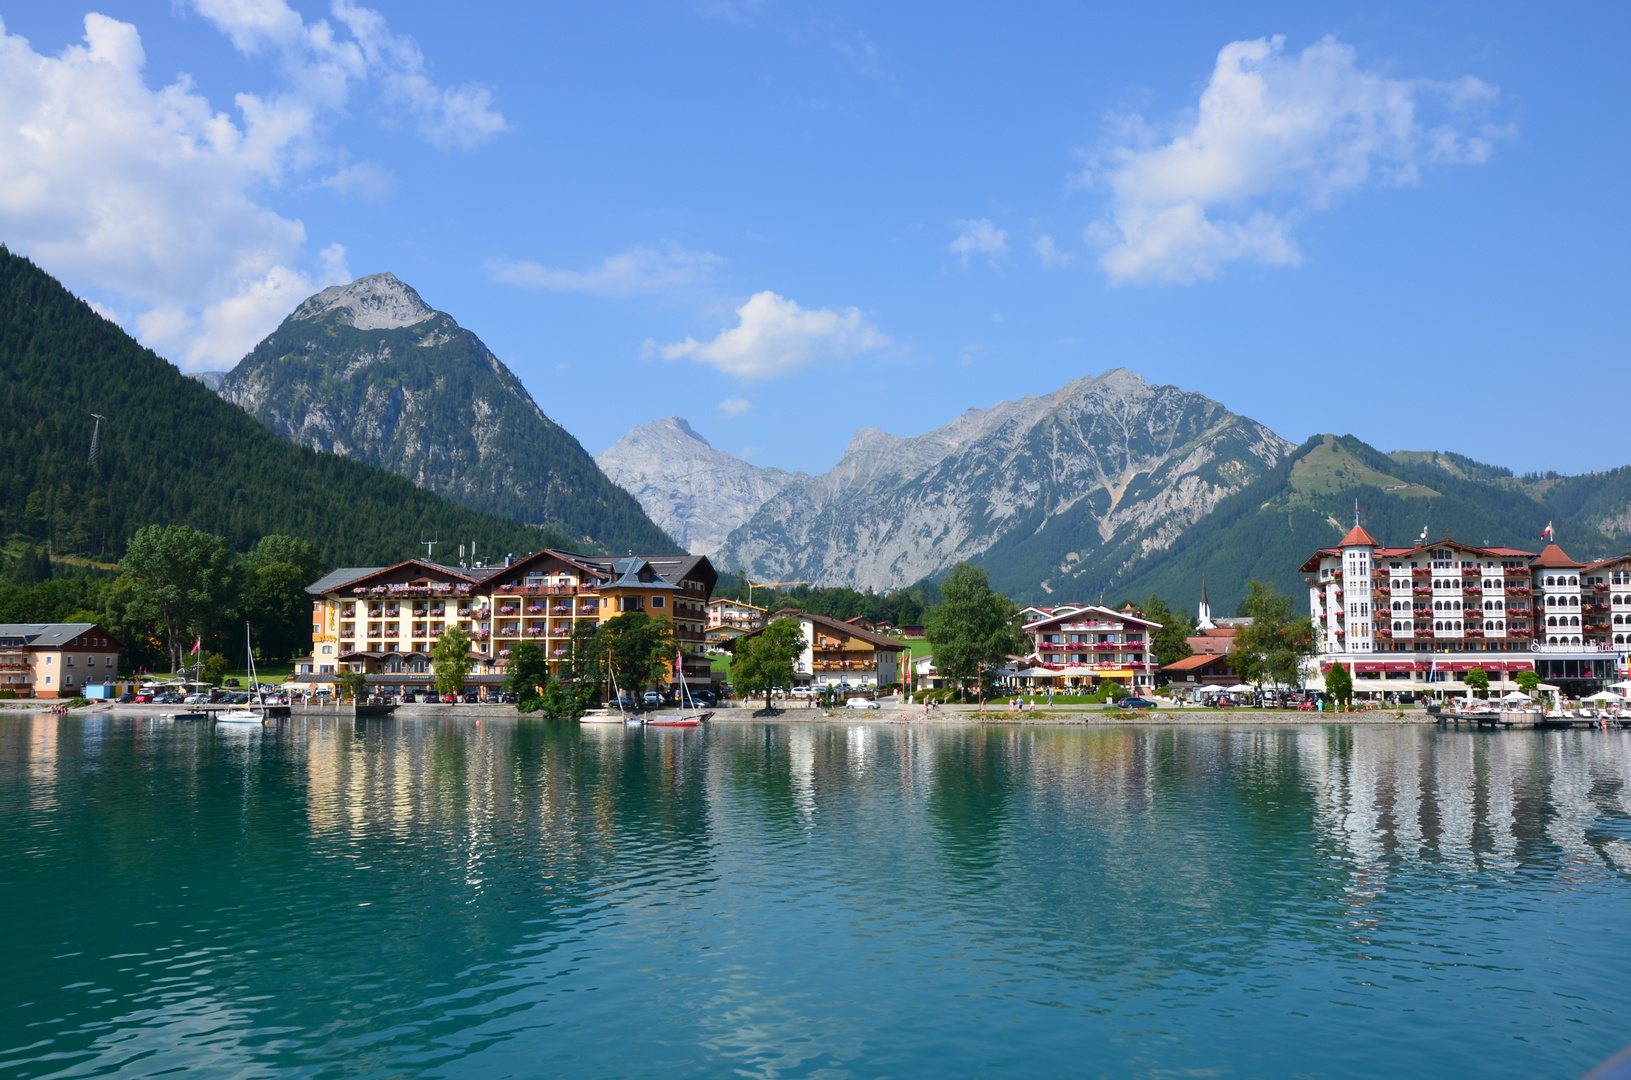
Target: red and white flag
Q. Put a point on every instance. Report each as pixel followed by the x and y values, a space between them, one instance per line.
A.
pixel 1547 534
pixel 198 643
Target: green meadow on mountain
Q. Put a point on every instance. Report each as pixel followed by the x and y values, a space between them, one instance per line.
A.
pixel 1270 527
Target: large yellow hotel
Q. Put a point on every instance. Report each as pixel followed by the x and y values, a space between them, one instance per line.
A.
pixel 383 621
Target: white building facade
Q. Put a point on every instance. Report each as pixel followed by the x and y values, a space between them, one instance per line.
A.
pixel 1418 618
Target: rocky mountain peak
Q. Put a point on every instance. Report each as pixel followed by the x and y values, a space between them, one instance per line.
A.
pixel 375 302
pixel 695 492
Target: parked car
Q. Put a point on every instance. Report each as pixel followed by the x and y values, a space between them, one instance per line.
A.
pixel 470 697
pixel 861 703
pixel 651 699
pixel 802 692
pixel 706 698
pixel 232 682
pixel 626 702
pixel 504 697
pixel 1136 703
pixel 195 699
pixel 126 698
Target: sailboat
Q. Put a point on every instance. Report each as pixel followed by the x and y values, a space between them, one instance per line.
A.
pixel 690 717
pixel 246 716
pixel 604 715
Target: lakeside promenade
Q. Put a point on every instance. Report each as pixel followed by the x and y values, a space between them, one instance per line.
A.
pixel 960 715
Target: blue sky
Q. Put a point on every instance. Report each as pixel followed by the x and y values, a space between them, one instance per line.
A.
pixel 788 221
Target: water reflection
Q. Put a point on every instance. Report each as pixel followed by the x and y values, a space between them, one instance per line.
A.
pixel 432 897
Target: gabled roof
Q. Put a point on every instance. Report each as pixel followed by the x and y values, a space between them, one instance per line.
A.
pixel 1199 660
pixel 877 641
pixel 336 579
pixel 672 568
pixel 1553 558
pixel 426 569
pixel 627 574
pixel 1600 563
pixel 50 635
pixel 1076 613
pixel 1358 537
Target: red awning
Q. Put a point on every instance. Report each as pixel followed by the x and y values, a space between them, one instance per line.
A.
pixel 1370 667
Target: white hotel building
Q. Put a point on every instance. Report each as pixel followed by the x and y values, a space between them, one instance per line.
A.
pixel 1419 618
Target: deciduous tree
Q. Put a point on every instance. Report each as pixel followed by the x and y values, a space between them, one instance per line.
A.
pixel 1169 644
pixel 1477 680
pixel 526 673
pixel 764 659
pixel 637 647
pixel 1272 649
pixel 450 660
pixel 974 627
pixel 1339 684
pixel 179 578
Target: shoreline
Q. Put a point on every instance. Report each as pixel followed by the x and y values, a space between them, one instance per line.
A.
pixel 956 715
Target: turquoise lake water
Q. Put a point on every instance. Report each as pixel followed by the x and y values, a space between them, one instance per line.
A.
pixel 421 898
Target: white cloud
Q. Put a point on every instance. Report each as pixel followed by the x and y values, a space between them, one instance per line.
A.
pixel 776 337
pixel 978 237
pixel 1049 252
pixel 321 67
pixel 154 199
pixel 637 270
pixel 364 179
pixel 1292 132
pixel 734 406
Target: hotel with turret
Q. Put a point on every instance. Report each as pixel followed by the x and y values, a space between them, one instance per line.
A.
pixel 1418 618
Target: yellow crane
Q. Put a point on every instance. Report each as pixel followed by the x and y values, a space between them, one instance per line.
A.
pixel 768 585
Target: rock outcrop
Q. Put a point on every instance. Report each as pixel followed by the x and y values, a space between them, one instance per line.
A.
pixel 1060 492
pixel 696 493
pixel 370 371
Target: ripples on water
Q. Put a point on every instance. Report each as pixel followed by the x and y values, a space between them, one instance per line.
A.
pixel 379 897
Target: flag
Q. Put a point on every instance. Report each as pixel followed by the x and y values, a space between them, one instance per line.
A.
pixel 1547 534
pixel 198 643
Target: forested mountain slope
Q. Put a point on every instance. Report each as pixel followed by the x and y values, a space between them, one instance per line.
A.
pixel 1270 527
pixel 370 371
pixel 172 452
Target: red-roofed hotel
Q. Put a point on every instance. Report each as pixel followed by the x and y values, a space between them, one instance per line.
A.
pixel 1400 618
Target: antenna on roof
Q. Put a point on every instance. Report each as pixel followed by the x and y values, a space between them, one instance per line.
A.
pixel 96 440
pixel 1356 513
pixel 430 546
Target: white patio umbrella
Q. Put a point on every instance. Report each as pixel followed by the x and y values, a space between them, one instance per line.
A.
pixel 1622 685
pixel 1240 688
pixel 1603 695
pixel 1516 695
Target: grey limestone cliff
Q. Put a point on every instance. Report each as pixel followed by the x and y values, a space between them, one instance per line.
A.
pixel 370 371
pixel 695 492
pixel 1056 493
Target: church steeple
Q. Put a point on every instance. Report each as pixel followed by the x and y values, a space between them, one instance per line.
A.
pixel 1204 614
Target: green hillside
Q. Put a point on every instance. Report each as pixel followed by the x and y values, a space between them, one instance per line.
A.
pixel 1268 529
pixel 173 453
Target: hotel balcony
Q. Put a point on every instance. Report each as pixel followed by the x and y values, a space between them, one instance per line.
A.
pixel 542 590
